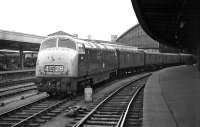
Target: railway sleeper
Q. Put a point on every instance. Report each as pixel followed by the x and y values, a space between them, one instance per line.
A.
pixel 109 104
pixel 121 97
pixel 136 111
pixel 25 114
pixel 131 124
pixel 35 108
pixel 31 111
pixel 132 120
pixel 39 106
pixel 104 119
pixel 51 114
pixel 12 119
pixel 111 107
pixel 133 113
pixel 39 120
pixel 17 116
pixel 73 122
pixel 116 102
pixel 94 122
pixel 56 111
pixel 87 125
pixel 107 115
pixel 138 104
pixel 6 124
pixel 133 117
pixel 112 110
pixel 78 118
pixel 46 117
pixel 31 125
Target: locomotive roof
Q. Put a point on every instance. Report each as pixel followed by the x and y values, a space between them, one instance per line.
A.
pixel 97 45
pixel 87 44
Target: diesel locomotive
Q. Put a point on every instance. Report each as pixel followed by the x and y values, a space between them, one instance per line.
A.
pixel 66 64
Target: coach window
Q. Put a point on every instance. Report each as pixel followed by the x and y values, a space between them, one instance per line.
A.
pixel 49 43
pixel 66 43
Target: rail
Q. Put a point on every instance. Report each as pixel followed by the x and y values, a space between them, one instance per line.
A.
pixel 20 107
pixel 128 108
pixel 17 71
pixel 89 115
pixel 19 124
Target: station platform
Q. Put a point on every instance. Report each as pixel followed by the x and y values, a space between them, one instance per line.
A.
pixel 171 98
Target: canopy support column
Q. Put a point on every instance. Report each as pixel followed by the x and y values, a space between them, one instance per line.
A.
pixel 21 58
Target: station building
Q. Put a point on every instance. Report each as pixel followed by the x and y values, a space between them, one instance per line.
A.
pixel 137 37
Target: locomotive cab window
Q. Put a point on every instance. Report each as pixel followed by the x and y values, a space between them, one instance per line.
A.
pixel 50 43
pixel 66 43
pixel 81 48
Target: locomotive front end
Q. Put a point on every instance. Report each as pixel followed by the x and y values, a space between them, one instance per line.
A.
pixel 56 65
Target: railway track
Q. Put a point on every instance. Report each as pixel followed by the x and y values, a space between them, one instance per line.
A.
pixel 10 82
pixel 134 112
pixel 5 92
pixel 113 110
pixel 39 112
pixel 32 114
pixel 8 78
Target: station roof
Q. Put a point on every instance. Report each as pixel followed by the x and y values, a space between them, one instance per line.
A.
pixel 16 41
pixel 130 29
pixel 173 22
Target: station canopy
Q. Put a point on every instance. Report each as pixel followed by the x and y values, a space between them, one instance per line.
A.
pixel 173 22
pixel 19 41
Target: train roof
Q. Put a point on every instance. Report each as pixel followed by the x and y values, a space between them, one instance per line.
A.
pixel 124 48
pixel 185 54
pixel 98 45
pixel 169 54
pixel 87 44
